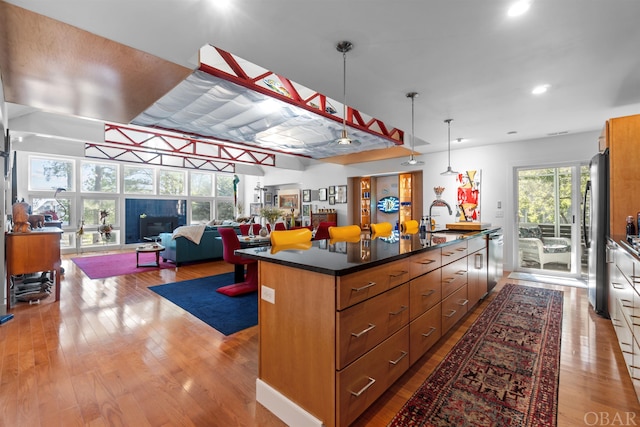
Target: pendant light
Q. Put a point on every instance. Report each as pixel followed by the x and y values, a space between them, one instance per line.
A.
pixel 412 161
pixel 344 141
pixel 449 171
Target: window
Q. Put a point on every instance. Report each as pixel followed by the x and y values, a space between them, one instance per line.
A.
pixel 91 212
pixel 59 208
pixel 99 177
pixel 224 209
pixel 200 211
pixel 50 174
pixel 171 182
pixel 138 180
pixel 201 184
pixel 224 186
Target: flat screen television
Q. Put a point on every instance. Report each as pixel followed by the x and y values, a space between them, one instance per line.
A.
pixel 152 226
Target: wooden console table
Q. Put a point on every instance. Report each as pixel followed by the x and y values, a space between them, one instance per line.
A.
pixel 38 250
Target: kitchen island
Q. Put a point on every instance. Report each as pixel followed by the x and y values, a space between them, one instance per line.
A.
pixel 341 322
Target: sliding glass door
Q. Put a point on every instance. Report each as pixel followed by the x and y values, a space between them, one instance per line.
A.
pixel 548 222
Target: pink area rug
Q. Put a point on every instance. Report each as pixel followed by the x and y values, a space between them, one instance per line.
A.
pixel 101 266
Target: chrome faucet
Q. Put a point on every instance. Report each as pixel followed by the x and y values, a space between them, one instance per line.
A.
pixel 437 202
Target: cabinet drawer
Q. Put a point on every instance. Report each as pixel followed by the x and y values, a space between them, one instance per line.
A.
pixel 625 263
pixel 454 275
pixel 476 243
pixel 357 287
pixel 360 384
pixel 453 308
pixel 425 292
pixel 363 326
pixel 453 252
pixel 425 262
pixel 424 332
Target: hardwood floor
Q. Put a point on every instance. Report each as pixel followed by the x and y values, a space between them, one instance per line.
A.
pixel 113 353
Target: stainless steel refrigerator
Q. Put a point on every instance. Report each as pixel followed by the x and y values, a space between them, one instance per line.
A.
pixel 595 225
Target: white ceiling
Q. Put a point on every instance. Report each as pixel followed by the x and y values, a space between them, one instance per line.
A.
pixel 467 60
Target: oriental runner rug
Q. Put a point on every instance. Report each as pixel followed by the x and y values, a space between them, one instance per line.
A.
pixel 504 371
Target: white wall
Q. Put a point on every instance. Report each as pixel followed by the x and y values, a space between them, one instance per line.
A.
pixel 497 163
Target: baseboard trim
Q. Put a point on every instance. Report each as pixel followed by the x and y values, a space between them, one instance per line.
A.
pixel 283 408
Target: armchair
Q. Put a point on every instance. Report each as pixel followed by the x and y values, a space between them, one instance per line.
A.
pixel 542 250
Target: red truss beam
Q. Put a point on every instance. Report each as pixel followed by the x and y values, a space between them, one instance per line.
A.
pixel 316 103
pixel 149 146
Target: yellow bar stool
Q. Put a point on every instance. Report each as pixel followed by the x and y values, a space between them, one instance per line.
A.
pixel 381 229
pixel 289 237
pixel 410 227
pixel 345 232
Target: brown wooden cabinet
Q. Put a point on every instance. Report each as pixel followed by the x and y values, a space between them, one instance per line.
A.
pixel 477 279
pixel 318 217
pixel 622 136
pixel 33 252
pixel 333 348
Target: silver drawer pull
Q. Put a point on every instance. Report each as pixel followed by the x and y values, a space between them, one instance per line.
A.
pixel 450 314
pixel 428 294
pixel 401 273
pixel 447 253
pixel 625 343
pixel 463 302
pixel 364 331
pixel 395 362
pixel 447 281
pixel 432 330
pixel 364 287
pixel 426 262
pixel 461 249
pixel 617 285
pixel 627 352
pixel 461 272
pixel 395 313
pixel 363 389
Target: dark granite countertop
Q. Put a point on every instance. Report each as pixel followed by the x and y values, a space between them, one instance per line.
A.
pixel 343 258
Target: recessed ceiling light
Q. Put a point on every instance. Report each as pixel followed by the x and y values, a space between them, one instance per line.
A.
pixel 540 89
pixel 461 139
pixel 512 132
pixel 519 8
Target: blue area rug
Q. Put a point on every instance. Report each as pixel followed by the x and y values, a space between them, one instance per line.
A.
pixel 199 297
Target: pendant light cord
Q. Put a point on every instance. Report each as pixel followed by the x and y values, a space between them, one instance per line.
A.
pixel 344 91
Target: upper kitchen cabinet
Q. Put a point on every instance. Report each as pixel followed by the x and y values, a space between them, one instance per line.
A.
pixel 622 136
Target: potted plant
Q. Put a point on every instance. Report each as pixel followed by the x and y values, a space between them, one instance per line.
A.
pixel 271 215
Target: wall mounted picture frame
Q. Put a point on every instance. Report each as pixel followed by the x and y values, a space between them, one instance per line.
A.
pixel 289 199
pixel 332 190
pixel 306 196
pixel 322 194
pixel 254 209
pixel 341 194
pixel 332 200
pixel 275 200
pixel 306 210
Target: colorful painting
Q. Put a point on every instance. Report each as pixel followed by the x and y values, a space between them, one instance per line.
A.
pixel 468 206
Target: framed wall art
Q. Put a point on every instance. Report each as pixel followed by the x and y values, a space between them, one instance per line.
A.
pixel 289 199
pixel 322 194
pixel 341 194
pixel 332 200
pixel 332 190
pixel 306 196
pixel 306 210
